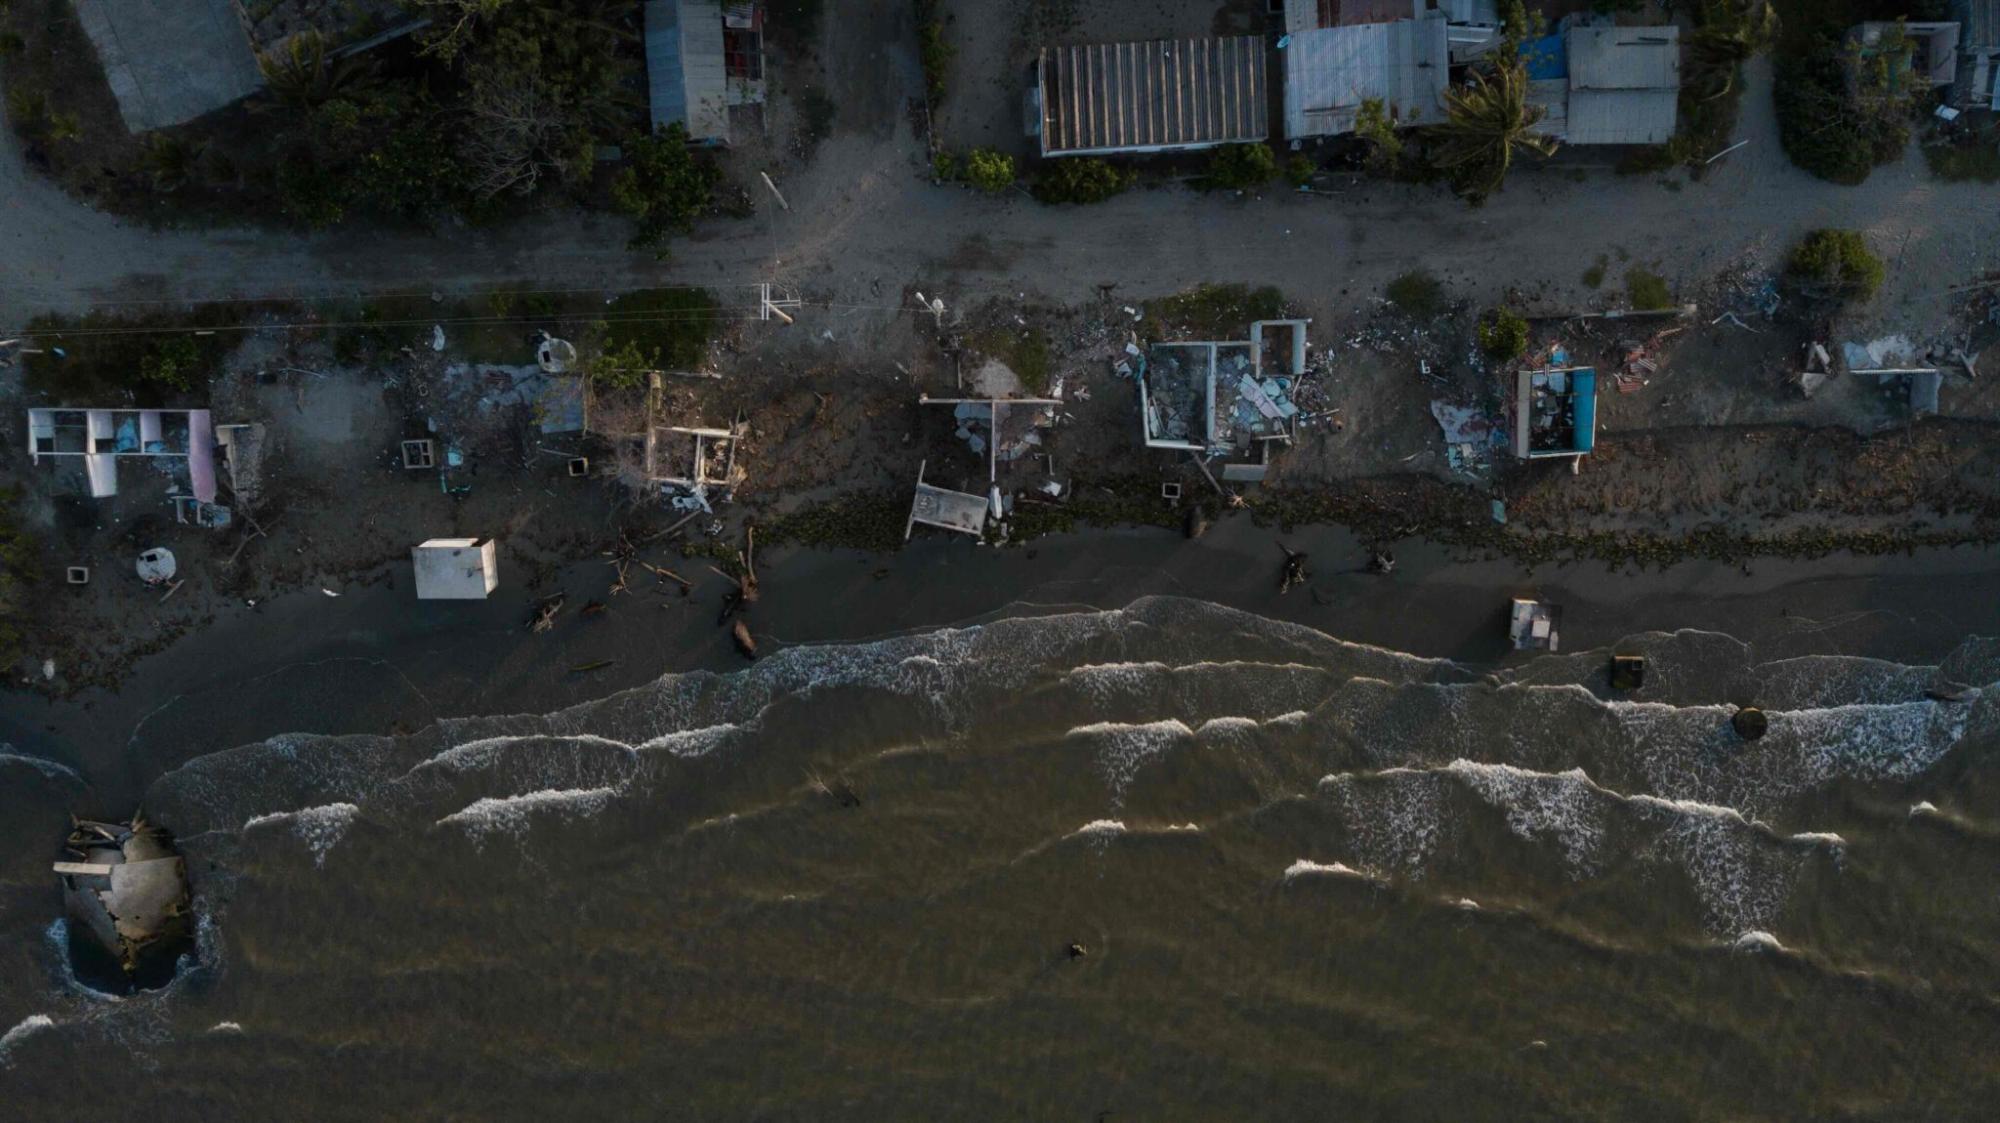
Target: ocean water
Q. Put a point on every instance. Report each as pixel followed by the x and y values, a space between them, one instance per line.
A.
pixel 1312 880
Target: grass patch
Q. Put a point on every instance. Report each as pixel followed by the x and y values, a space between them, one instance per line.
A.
pixel 934 51
pixel 1594 276
pixel 1978 161
pixel 1025 352
pixel 1417 294
pixel 1647 290
pixel 18 553
pixel 1213 311
pixel 674 326
pixel 113 361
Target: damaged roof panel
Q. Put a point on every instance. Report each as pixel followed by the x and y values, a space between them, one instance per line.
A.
pixel 1330 71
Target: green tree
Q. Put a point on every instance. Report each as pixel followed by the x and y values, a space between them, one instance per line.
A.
pixel 1726 34
pixel 1374 125
pixel 1082 179
pixel 1240 166
pixel 989 170
pixel 1486 124
pixel 665 186
pixel 1835 265
pixel 545 83
pixel 1503 334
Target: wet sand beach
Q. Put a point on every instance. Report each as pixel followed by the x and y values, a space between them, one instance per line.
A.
pixel 375 660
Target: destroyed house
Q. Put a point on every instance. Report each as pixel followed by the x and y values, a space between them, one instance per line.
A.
pixel 1223 397
pixel 1167 95
pixel 1606 85
pixel 1331 71
pixel 100 438
pixel 703 57
pixel 1555 413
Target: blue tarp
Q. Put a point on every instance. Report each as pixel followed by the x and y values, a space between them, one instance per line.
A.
pixel 1583 399
pixel 1545 58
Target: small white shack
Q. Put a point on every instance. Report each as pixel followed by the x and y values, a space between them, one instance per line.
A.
pixel 456 568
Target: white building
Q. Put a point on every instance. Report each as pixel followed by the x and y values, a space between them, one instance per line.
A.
pixel 456 568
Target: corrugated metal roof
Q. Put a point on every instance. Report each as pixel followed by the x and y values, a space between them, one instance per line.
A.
pixel 1625 58
pixel 684 67
pixel 1623 86
pixel 1621 116
pixel 1165 94
pixel 1979 23
pixel 1330 71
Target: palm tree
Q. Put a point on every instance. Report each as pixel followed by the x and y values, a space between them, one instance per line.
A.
pixel 1726 33
pixel 1485 124
pixel 303 76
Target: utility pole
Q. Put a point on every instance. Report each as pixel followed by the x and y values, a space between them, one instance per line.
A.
pixel 774 190
pixel 767 307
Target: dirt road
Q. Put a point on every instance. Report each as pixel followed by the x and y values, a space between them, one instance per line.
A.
pixel 864 223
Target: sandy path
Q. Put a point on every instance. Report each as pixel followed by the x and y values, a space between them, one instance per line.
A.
pixel 864 223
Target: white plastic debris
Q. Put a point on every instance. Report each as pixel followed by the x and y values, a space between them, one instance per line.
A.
pixel 329 592
pixel 437 337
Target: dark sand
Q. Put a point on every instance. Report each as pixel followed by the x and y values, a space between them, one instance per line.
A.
pixel 375 660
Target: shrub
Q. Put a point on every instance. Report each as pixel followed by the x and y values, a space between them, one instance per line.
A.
pixel 1647 290
pixel 1081 180
pixel 172 362
pixel 1417 294
pixel 1299 170
pixel 1374 125
pixel 1238 166
pixel 944 166
pixel 1503 334
pixel 988 170
pixel 621 366
pixel 1836 264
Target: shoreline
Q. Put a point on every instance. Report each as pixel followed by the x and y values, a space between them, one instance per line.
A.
pixel 375 661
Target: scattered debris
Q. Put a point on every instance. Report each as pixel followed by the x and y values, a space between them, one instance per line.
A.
pixel 1294 571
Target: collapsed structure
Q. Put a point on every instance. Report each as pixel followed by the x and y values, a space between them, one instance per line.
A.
pixel 1230 399
pixel 1555 413
pixel 126 893
pixel 1001 430
pixel 184 443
